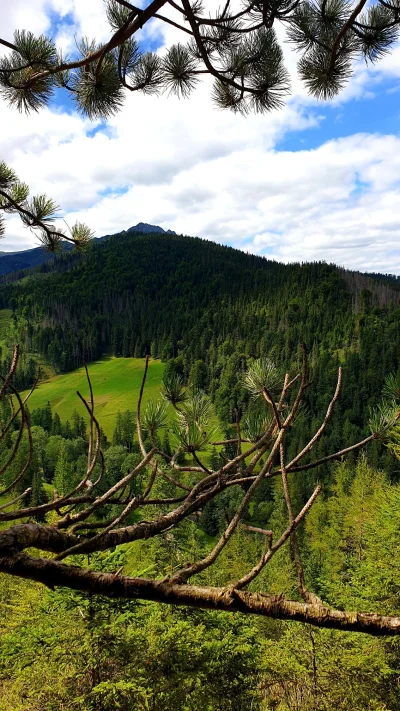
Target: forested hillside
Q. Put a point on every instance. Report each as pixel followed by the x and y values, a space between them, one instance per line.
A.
pixel 209 310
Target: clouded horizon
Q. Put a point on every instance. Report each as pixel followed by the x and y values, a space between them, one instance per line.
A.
pixel 312 181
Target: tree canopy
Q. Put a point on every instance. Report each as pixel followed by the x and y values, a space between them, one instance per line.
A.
pixel 157 494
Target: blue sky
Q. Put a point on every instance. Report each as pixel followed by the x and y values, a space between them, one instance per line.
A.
pixel 376 114
pixel 312 181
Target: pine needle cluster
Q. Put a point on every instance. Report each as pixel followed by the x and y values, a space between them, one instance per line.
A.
pixel 38 213
pixel 238 48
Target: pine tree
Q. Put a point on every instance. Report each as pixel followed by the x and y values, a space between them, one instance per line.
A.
pixel 66 430
pixel 38 495
pixel 117 436
pixel 63 475
pixel 214 460
pixel 56 427
pixel 47 419
pixel 166 447
pixel 78 425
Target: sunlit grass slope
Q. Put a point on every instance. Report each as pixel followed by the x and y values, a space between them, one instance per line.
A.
pixel 116 385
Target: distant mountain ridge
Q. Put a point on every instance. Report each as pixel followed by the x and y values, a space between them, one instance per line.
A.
pixel 211 309
pixel 27 258
pixel 145 229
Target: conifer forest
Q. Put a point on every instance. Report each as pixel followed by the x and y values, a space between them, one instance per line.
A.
pixel 199 436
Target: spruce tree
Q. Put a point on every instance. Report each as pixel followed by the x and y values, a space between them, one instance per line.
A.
pixel 56 427
pixel 63 475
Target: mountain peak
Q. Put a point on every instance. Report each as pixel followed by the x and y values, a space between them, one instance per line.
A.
pixel 144 228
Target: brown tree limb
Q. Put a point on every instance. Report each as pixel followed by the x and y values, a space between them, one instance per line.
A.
pixel 9 45
pixel 131 506
pixel 24 423
pixel 266 557
pixel 138 422
pixel 305 594
pixel 53 574
pixel 16 499
pixel 345 28
pixel 101 500
pixel 11 372
pixel 53 235
pixel 321 429
pixel 116 40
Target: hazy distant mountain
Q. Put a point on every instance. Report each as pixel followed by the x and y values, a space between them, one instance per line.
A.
pixel 15 261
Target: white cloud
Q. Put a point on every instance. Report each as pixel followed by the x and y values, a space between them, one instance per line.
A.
pixel 23 15
pixel 186 166
pixel 301 206
pixel 152 141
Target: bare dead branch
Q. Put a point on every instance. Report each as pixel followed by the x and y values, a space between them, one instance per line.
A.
pixel 321 429
pixel 17 498
pixel 252 574
pixel 24 424
pixel 305 594
pixel 138 423
pixel 11 372
pixel 183 575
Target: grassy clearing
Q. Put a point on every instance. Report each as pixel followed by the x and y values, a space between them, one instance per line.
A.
pixel 116 384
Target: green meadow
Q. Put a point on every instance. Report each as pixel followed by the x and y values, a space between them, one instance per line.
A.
pixel 116 384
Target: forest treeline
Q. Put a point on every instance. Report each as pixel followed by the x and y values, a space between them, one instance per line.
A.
pixel 208 311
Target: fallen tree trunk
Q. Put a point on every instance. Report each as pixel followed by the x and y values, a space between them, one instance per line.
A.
pixel 54 574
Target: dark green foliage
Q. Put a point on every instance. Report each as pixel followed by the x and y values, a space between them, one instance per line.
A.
pixel 98 92
pixel 26 371
pixel 63 475
pixel 199 375
pixel 179 67
pixel 124 429
pixel 43 417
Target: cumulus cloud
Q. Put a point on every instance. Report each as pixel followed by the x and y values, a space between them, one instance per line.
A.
pixel 292 206
pixel 21 15
pixel 188 167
